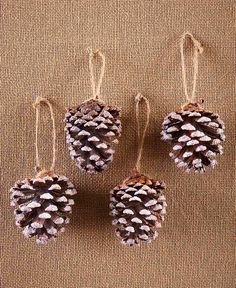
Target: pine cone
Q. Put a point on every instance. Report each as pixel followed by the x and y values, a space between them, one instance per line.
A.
pixel 91 130
pixel 196 136
pixel 138 206
pixel 42 205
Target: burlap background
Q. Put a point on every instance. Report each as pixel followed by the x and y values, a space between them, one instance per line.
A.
pixel 44 53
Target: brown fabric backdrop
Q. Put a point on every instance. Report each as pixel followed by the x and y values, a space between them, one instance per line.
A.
pixel 44 53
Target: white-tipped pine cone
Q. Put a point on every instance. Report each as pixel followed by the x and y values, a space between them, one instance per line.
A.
pixel 42 206
pixel 138 207
pixel 92 128
pixel 195 135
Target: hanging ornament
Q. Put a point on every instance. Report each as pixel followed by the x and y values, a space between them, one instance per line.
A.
pixel 43 203
pixel 93 127
pixel 194 133
pixel 138 205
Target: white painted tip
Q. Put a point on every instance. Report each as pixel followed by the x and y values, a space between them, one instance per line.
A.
pixel 52 231
pixel 86 149
pixel 120 205
pixel 93 139
pixel 128 211
pixel 205 138
pixel 135 198
pixel 51 207
pixel 151 217
pixel 192 142
pixel 58 220
pixel 145 228
pixel 27 186
pixel 44 215
pixel 102 126
pixel 126 195
pixel 204 119
pixel 54 187
pixel 144 212
pixel 130 229
pixel 61 199
pixel 102 145
pixel 188 127
pixel 136 220
pixel 184 138
pixel 177 147
pixel 150 203
pixel 197 134
pixel 91 123
pixel 67 208
pixel 83 133
pixel 122 221
pixel 143 237
pixel 71 202
pixel 201 148
pixel 187 154
pixel 34 204
pixel 110 134
pixel 172 129
pixel 70 192
pixel 46 196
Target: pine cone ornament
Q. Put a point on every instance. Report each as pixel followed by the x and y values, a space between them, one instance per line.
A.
pixel 195 135
pixel 138 207
pixel 92 128
pixel 42 205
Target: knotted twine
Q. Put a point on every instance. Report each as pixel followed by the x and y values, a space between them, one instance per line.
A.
pixel 96 88
pixel 197 49
pixel 36 105
pixel 141 137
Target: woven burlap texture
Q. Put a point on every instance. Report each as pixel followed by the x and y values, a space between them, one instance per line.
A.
pixel 44 53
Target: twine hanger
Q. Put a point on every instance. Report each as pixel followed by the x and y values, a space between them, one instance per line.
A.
pixel 96 88
pixel 198 49
pixel 141 138
pixel 36 105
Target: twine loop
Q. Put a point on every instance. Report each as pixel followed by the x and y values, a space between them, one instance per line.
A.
pixel 198 49
pixel 96 88
pixel 36 105
pixel 141 137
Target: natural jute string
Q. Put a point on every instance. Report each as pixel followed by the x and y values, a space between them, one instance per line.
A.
pixel 141 138
pixel 36 105
pixel 96 88
pixel 198 49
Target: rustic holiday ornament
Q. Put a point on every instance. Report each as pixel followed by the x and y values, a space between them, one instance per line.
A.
pixel 138 205
pixel 93 127
pixel 43 203
pixel 195 133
